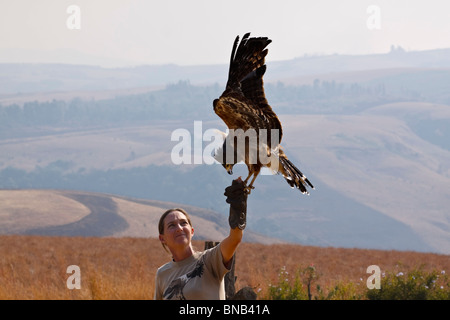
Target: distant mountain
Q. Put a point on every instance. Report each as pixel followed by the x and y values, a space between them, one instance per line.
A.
pixel 26 78
pixel 20 79
pixel 336 64
pixel 58 56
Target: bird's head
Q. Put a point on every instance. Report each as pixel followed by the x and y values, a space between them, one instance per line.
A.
pixel 228 167
pixel 221 156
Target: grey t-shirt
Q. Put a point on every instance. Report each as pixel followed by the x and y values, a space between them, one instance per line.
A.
pixel 199 277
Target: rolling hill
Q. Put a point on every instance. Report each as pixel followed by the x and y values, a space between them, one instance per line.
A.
pixel 84 214
pixel 381 175
pixel 380 160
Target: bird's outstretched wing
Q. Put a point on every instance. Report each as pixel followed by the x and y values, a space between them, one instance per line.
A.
pixel 243 104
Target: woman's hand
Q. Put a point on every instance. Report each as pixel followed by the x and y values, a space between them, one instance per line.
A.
pixel 237 198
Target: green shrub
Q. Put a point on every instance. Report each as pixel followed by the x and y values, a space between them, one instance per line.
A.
pixel 413 285
pixel 287 288
pixel 299 287
pixel 340 291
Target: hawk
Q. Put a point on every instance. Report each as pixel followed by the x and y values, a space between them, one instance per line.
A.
pixel 255 131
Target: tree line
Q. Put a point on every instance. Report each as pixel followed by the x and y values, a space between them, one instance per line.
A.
pixel 188 101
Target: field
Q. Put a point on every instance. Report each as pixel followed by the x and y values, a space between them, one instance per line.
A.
pixel 35 267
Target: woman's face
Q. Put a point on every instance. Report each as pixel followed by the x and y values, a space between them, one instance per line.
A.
pixel 177 230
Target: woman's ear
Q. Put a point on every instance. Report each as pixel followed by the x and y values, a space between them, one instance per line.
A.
pixel 192 231
pixel 161 238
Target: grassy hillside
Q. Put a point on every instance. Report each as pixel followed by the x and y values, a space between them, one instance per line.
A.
pixel 35 267
pixel 87 214
pixel 377 159
pixel 381 175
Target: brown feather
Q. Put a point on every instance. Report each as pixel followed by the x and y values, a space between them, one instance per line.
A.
pixel 243 105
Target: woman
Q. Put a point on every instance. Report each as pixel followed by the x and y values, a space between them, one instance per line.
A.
pixel 198 274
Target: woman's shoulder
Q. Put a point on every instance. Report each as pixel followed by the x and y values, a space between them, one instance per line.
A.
pixel 164 267
pixel 211 253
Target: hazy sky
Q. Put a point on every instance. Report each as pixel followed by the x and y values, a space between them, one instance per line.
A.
pixel 186 32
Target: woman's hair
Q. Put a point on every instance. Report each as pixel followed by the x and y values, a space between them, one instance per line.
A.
pixel 164 215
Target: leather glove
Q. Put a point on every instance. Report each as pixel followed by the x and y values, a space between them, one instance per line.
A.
pixel 237 198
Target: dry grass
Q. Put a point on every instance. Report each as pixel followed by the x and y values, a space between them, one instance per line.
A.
pixel 34 267
pixel 259 265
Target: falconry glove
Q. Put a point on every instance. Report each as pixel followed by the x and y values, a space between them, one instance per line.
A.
pixel 237 198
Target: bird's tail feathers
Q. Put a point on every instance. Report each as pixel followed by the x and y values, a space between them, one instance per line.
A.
pixel 294 177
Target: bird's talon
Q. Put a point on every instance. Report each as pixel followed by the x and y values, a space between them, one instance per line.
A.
pixel 248 189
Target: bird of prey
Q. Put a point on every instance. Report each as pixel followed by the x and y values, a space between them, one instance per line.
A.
pixel 255 131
